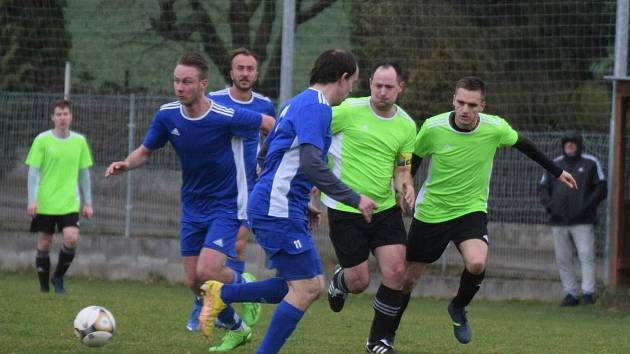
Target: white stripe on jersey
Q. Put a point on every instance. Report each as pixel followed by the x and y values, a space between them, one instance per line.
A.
pixel 171 105
pixel 259 96
pixel 241 178
pixel 321 98
pixel 223 92
pixel 217 108
pixel 489 119
pixel 279 201
pixel 438 122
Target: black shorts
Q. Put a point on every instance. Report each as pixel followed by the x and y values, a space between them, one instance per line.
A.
pixel 353 238
pixel 427 241
pixel 46 223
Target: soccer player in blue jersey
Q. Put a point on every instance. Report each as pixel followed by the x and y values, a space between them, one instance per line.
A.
pixel 278 209
pixel 243 73
pixel 208 138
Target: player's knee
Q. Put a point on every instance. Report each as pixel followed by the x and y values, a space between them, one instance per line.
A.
pixel 476 267
pixel 44 244
pixel 394 275
pixel 359 284
pixel 71 242
pixel 209 272
pixel 313 291
pixel 357 280
pixel 71 238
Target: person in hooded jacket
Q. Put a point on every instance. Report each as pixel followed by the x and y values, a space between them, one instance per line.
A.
pixel 573 214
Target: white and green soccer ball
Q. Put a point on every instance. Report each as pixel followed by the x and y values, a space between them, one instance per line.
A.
pixel 94 326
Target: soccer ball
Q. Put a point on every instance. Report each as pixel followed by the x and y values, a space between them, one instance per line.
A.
pixel 94 326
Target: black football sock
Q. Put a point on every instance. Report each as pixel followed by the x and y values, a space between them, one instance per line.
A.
pixel 42 264
pixel 468 286
pixel 66 255
pixel 403 306
pixel 386 306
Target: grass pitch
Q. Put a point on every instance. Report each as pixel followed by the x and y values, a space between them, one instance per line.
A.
pixel 151 319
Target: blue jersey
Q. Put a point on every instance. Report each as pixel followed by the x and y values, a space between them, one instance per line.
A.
pixel 209 149
pixel 257 103
pixel 283 190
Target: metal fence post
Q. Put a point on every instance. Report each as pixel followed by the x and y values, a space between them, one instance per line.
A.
pixel 286 64
pixel 130 147
pixel 620 71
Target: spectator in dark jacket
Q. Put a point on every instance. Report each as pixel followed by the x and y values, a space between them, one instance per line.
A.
pixel 573 214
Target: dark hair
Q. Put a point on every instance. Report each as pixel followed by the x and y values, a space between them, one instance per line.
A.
pixel 472 83
pixel 385 64
pixel 195 60
pixel 331 65
pixel 242 51
pixel 61 104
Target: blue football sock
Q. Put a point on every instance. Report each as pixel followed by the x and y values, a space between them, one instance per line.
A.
pixel 229 317
pixel 237 278
pixel 283 323
pixel 271 291
pixel 236 265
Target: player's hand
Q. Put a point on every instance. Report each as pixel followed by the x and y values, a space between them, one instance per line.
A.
pixel 367 206
pixel 409 195
pixel 314 216
pixel 31 209
pixel 87 211
pixel 568 180
pixel 315 192
pixel 116 168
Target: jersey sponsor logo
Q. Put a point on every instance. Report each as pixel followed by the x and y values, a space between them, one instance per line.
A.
pixel 581 169
pixel 175 131
pixel 447 147
pixel 364 127
pixel 297 244
pixel 218 242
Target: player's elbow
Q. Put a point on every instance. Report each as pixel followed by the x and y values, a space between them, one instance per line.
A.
pixel 267 123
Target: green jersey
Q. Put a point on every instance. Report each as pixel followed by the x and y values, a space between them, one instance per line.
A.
pixel 366 149
pixel 59 161
pixel 460 165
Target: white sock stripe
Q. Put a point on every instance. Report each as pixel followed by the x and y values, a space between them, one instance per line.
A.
pixel 386 306
pixel 385 309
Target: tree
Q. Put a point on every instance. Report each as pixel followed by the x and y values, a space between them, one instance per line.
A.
pixel 34 45
pixel 537 60
pixel 250 25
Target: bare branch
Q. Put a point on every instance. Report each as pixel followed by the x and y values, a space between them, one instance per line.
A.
pixel 263 32
pixel 314 10
pixel 213 45
pixel 166 25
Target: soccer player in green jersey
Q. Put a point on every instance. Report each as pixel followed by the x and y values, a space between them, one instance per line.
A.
pixel 451 206
pixel 58 160
pixel 372 145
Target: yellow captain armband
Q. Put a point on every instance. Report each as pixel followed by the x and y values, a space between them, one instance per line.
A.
pixel 404 159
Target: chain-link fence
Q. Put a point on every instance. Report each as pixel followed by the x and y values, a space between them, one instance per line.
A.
pixel 543 61
pixel 151 195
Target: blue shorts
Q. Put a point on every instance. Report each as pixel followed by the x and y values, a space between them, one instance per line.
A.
pixel 218 234
pixel 299 266
pixel 288 246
